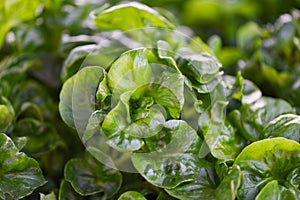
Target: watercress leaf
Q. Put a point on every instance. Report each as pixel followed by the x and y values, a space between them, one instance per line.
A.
pixel 19 174
pixel 15 12
pixel 176 162
pixel 251 119
pixel 89 176
pixel 275 191
pixel 203 186
pixel 201 68
pixel 93 125
pixel 6 117
pixel 103 90
pixel 286 125
pixel 74 60
pixel 141 16
pixel 65 103
pixel 165 51
pixel 229 185
pixel 264 161
pixel 20 142
pixel 147 126
pixel 42 137
pixel 66 192
pixel 130 71
pixel 222 140
pixel 50 196
pixel 119 117
pixel 293 179
pixel 77 97
pixel 132 195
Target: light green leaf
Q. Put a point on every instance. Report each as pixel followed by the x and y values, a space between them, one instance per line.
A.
pixel 19 174
pixel 132 195
pixel 222 140
pixel 77 97
pixel 14 12
pixel 275 191
pixel 129 16
pixel 50 196
pixel 130 71
pixel 264 161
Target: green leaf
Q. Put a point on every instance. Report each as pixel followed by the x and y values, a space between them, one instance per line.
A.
pixel 222 140
pixel 66 192
pixel 50 196
pixel 229 185
pixel 75 60
pixel 176 162
pixel 287 125
pixel 251 119
pixel 19 174
pixel 88 176
pixel 77 97
pixel 14 12
pixel 6 117
pixel 203 187
pixel 275 191
pixel 130 71
pixel 129 16
pixel 202 68
pixel 264 161
pixel 132 195
pixel 42 137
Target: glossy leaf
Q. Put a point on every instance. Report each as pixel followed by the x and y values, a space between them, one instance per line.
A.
pixel 6 117
pixel 287 126
pixel 50 196
pixel 141 16
pixel 229 185
pixel 89 176
pixel 176 162
pixel 203 187
pixel 77 97
pixel 130 71
pixel 132 195
pixel 251 119
pixel 264 161
pixel 19 174
pixel 66 192
pixel 275 191
pixel 222 140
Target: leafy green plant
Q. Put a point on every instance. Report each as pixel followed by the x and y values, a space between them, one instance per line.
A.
pixel 117 107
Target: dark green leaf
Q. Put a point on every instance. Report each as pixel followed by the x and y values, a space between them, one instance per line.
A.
pixel 19 174
pixel 251 119
pixel 89 176
pixel 287 125
pixel 229 185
